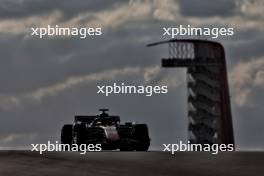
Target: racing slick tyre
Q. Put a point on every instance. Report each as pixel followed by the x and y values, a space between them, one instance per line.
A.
pixel 79 134
pixel 66 134
pixel 141 135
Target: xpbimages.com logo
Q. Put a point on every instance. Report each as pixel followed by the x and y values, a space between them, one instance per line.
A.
pixel 188 30
pixel 189 147
pixel 131 89
pixel 57 147
pixel 53 31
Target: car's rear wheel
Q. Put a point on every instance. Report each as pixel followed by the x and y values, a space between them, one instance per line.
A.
pixel 66 134
pixel 79 130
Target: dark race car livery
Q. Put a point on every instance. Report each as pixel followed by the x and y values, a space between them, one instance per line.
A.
pixel 108 131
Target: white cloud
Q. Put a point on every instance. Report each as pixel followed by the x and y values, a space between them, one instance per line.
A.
pixel 120 15
pixel 244 78
pixel 144 75
pixel 166 10
pixel 9 138
pixel 139 11
pixel 23 25
pixel 253 8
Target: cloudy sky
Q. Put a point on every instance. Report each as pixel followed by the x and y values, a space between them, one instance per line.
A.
pixel 45 82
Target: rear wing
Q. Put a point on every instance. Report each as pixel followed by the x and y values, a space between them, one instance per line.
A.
pixel 85 118
pixel 90 119
pixel 113 118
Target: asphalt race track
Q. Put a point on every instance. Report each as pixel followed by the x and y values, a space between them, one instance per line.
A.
pixel 26 163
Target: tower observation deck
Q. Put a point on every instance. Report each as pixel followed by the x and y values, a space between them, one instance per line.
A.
pixel 209 109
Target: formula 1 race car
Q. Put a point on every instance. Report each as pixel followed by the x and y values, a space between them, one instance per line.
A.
pixel 107 131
